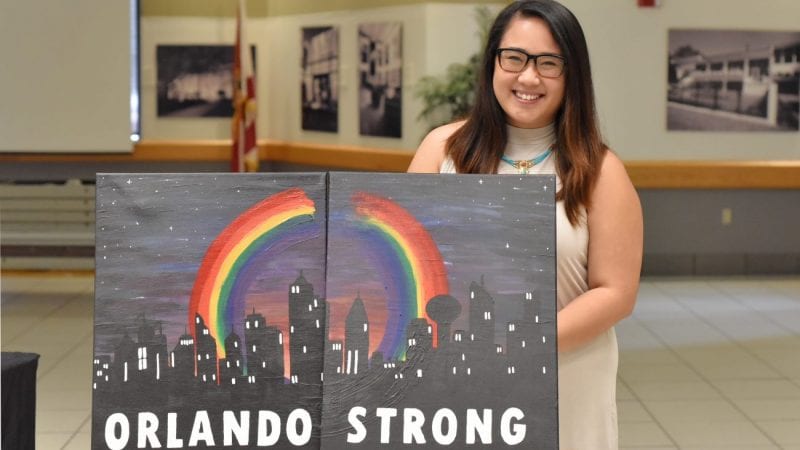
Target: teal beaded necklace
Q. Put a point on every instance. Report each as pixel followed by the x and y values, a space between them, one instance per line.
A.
pixel 525 165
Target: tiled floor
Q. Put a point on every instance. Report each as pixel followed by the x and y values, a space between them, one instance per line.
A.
pixel 704 363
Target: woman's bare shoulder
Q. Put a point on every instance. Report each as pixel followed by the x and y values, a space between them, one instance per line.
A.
pixel 431 152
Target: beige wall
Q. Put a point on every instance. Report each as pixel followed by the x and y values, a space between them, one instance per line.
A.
pixel 264 8
pixel 628 47
pixel 434 35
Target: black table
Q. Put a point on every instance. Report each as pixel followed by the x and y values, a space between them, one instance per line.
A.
pixel 19 400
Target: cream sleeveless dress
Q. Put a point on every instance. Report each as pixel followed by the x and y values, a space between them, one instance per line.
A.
pixel 587 407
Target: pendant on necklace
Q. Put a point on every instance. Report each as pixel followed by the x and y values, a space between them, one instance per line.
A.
pixel 524 166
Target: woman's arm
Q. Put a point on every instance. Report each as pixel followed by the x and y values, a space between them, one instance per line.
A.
pixel 614 259
pixel 430 154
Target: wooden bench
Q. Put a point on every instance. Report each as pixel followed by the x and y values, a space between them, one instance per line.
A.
pixel 47 226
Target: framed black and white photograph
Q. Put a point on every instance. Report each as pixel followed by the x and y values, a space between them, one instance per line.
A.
pixel 733 80
pixel 319 86
pixel 380 79
pixel 195 80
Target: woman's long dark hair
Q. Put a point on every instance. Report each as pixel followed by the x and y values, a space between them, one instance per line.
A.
pixel 479 144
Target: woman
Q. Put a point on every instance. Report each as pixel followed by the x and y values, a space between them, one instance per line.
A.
pixel 535 113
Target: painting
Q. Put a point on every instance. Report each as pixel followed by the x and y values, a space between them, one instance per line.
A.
pixel 319 86
pixel 380 92
pixel 195 80
pixel 733 80
pixel 339 310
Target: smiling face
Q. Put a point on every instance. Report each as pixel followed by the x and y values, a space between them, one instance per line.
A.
pixel 528 99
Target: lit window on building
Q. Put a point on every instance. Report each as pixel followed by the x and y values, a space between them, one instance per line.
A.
pixel 236 344
pixel 469 371
pixel 142 354
pixel 512 327
pixel 317 323
pixel 419 373
pixel 471 295
pixel 304 349
pixel 291 329
pixel 544 369
pixel 255 324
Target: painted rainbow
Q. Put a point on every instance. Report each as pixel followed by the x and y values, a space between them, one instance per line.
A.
pixel 220 288
pixel 412 267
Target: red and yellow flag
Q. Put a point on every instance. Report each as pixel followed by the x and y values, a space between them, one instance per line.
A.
pixel 245 149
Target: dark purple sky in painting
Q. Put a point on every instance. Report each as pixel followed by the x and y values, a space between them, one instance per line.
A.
pixel 153 231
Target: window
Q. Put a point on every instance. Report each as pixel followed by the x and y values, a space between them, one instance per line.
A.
pixel 142 357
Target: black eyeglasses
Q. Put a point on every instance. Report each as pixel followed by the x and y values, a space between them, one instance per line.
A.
pixel 515 60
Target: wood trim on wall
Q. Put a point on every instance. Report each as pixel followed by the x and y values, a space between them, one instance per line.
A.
pixel 644 174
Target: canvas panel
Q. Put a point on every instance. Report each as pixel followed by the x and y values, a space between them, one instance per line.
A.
pixel 195 277
pixel 441 312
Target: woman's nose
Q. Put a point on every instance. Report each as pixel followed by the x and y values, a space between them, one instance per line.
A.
pixel 529 74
